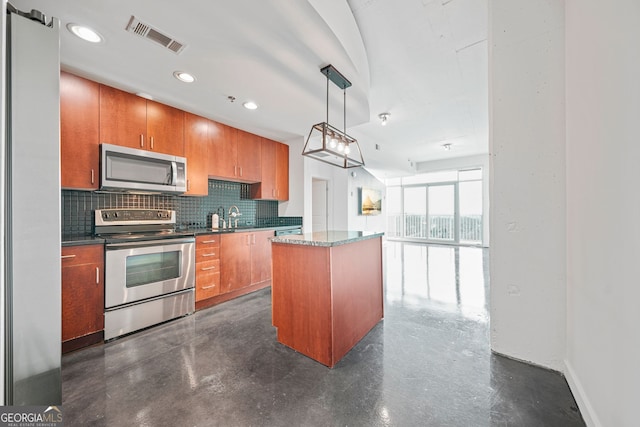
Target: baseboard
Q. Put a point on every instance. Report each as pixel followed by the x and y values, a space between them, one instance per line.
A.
pixel 81 342
pixel 528 362
pixel 586 409
pixel 218 299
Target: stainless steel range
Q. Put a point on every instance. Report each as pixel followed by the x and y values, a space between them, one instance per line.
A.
pixel 149 269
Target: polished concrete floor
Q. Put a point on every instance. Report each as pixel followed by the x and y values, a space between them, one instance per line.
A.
pixel 428 363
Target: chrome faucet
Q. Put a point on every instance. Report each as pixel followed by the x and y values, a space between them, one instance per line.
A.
pixel 234 215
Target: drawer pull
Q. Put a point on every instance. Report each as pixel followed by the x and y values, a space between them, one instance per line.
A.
pixel 68 256
pixel 213 254
pixel 209 287
pixel 97 275
pixel 209 241
pixel 208 268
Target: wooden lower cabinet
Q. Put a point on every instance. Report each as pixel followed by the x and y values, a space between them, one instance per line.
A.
pixel 82 296
pixel 246 259
pixel 261 256
pixel 207 267
pixel 239 264
pixel 236 261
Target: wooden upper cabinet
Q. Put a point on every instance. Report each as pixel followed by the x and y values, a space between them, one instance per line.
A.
pixel 249 157
pixel 266 188
pixel 274 184
pixel 234 154
pixel 79 132
pixel 131 121
pixel 123 118
pixel 165 127
pixel 282 172
pixel 196 150
pixel 223 151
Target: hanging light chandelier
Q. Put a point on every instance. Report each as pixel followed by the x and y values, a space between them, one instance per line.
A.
pixel 327 143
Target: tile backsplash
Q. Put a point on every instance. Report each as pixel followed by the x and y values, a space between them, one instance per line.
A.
pixel 191 212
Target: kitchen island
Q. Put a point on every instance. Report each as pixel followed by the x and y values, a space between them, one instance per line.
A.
pixel 326 291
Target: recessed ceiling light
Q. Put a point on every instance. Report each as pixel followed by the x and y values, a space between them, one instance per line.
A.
pixel 184 76
pixel 85 33
pixel 144 95
pixel 447 147
pixel 250 105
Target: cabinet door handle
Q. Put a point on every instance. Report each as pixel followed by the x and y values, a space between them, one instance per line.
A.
pixel 151 138
pixel 235 170
pixel 97 275
pixel 209 287
pixel 92 177
pixel 208 241
pixel 253 240
pixel 141 140
pixel 188 184
pixel 205 255
pixel 68 256
pixel 208 268
pixel 240 170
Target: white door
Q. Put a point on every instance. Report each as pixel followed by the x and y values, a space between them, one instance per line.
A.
pixel 319 205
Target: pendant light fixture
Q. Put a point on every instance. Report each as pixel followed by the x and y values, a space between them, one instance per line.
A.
pixel 327 143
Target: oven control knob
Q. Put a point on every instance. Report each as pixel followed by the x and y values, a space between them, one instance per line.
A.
pixel 106 214
pixel 159 214
pixel 115 214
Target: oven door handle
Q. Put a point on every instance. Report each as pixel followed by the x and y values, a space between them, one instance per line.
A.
pixel 148 243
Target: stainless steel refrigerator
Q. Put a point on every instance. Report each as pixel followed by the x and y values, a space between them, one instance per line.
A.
pixel 30 198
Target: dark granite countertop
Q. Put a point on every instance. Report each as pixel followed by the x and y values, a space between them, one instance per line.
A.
pixel 93 240
pixel 241 229
pixel 327 238
pixel 81 240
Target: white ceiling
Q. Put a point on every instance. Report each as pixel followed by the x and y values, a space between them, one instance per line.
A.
pixel 423 61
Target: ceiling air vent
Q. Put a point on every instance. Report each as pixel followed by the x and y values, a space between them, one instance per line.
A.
pixel 146 31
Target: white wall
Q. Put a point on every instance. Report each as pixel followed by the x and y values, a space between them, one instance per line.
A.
pixel 295 205
pixel 603 209
pixel 364 222
pixel 458 163
pixel 337 179
pixel 527 146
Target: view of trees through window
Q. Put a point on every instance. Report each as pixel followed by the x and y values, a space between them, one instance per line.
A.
pixel 439 206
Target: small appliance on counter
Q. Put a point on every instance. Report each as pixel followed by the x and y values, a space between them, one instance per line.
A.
pixel 149 269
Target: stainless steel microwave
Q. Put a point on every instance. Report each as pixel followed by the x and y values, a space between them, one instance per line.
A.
pixel 133 170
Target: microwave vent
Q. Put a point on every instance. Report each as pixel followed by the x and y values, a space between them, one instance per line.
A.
pixel 146 31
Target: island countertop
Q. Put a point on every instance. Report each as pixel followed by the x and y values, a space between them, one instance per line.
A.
pixel 327 238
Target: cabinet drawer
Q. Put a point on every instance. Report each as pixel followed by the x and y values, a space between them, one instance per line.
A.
pixel 207 285
pixel 207 240
pixel 207 254
pixel 77 255
pixel 212 266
